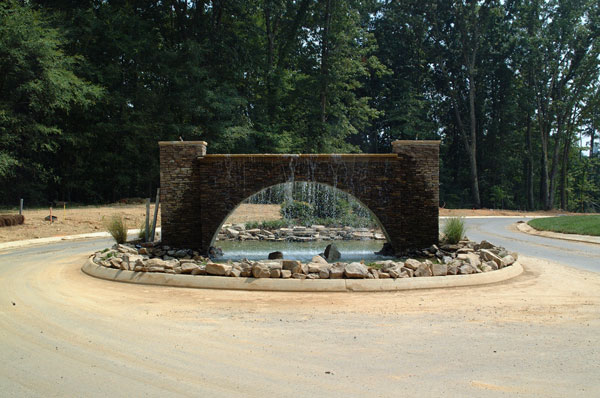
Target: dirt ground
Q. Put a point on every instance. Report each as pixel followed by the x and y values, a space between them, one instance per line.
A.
pixel 64 333
pixel 80 220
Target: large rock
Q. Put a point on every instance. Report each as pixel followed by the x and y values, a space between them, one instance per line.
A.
pixel 292 265
pixel 275 273
pixel 126 249
pixel 187 268
pixel 337 271
pixel 332 253
pixel 356 271
pixel 486 245
pixel 319 260
pixel 424 269
pixel 439 269
pixel 507 260
pixel 487 255
pixel 467 269
pixel 275 255
pixel 232 233
pixel 218 269
pixel 157 262
pixel 412 264
pixel 261 271
pixel 318 267
pixel 286 274
pixel 132 260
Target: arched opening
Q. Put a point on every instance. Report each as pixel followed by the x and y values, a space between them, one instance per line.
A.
pixel 302 218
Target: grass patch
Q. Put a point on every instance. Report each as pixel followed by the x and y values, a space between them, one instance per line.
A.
pixel 581 225
pixel 117 228
pixel 454 229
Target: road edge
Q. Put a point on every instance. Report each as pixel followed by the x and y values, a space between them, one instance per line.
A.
pixel 297 285
pixel 525 228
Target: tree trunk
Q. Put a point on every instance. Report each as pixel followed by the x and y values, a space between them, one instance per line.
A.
pixel 530 204
pixel 325 61
pixel 473 144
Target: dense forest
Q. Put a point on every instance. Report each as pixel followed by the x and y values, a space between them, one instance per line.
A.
pixel 511 88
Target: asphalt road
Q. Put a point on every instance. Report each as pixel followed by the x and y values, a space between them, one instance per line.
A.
pixel 501 232
pixel 63 333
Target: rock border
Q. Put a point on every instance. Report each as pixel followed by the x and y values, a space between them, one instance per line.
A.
pixel 299 285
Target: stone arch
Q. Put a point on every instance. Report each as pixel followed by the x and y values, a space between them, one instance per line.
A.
pixel 377 221
pixel 198 191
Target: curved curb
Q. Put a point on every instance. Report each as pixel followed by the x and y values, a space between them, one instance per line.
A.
pixel 299 285
pixel 529 230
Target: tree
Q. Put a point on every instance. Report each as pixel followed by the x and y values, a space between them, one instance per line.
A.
pixel 38 90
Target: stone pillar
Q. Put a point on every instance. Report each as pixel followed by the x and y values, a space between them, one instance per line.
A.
pixel 181 216
pixel 420 197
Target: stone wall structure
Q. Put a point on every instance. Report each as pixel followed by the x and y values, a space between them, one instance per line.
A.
pixel 198 191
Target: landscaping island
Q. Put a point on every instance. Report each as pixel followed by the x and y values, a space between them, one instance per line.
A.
pixel 463 258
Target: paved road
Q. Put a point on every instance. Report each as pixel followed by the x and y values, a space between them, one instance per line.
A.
pixel 63 333
pixel 501 231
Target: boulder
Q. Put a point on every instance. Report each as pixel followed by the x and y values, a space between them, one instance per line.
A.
pixel 337 271
pixel 218 269
pixel 187 268
pixel 292 265
pixel 491 264
pixel 423 270
pixel 275 273
pixel 507 260
pixel 324 274
pixel 275 255
pixel 286 274
pixel 408 271
pixel 384 275
pixel 374 273
pixel 487 255
pixel 356 271
pixel 332 253
pixel 261 271
pixel 467 269
pixel 486 245
pixel 156 262
pixel 439 269
pixel 412 264
pixel 156 269
pixel 126 249
pixel 317 267
pixel 298 276
pixel 132 260
pixel 319 260
pixel 200 270
pixel 486 268
pixel 232 233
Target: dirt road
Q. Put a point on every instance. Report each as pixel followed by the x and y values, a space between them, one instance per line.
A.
pixel 63 333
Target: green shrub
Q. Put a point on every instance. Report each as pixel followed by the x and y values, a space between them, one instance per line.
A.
pixel 142 233
pixel 297 210
pixel 454 229
pixel 117 227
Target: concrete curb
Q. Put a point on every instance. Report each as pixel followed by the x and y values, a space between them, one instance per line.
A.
pixel 527 229
pixel 298 285
pixel 54 239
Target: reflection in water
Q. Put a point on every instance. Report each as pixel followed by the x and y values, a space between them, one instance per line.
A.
pixel 259 250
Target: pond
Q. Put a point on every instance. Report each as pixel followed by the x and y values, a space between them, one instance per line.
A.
pixel 351 250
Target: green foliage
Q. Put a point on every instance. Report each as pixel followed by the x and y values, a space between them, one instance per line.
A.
pixel 454 229
pixel 581 225
pixel 88 88
pixel 38 90
pixel 117 228
pixel 297 210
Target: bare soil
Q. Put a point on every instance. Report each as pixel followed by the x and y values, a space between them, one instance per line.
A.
pixel 80 220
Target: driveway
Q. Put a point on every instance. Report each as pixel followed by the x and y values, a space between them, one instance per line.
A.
pixel 63 333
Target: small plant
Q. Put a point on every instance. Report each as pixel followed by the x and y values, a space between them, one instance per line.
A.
pixel 142 233
pixel 454 229
pixel 117 227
